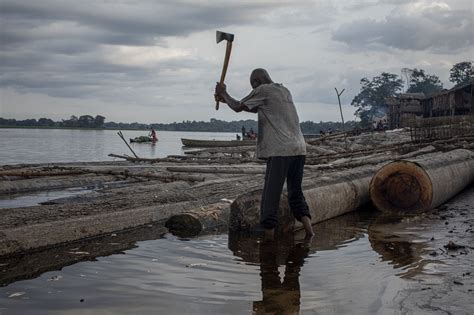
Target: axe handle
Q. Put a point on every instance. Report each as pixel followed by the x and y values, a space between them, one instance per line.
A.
pixel 228 49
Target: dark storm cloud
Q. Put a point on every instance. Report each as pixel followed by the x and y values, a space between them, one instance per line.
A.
pixel 57 47
pixel 433 29
pixel 123 22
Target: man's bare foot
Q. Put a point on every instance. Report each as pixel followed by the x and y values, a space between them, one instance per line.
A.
pixel 307 227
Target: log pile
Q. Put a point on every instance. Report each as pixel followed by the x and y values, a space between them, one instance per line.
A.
pixel 136 191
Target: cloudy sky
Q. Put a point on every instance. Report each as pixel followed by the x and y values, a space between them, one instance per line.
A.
pixel 157 61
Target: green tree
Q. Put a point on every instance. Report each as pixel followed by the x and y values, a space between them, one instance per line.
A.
pixel 461 73
pixel 371 99
pixel 421 82
pixel 99 121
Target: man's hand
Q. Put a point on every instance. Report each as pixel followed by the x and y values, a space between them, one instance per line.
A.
pixel 218 98
pixel 220 89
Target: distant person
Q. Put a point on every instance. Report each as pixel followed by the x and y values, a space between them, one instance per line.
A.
pixel 237 136
pixel 153 135
pixel 329 131
pixel 243 132
pixel 280 143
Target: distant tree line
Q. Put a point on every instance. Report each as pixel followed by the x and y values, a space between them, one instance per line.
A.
pixel 370 102
pixel 85 121
pixel 213 125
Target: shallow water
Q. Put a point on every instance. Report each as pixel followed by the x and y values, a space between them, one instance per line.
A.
pixel 339 271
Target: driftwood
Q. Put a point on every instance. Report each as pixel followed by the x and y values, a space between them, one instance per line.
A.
pixel 189 160
pixel 241 149
pixel 123 138
pixel 217 170
pixel 126 173
pixel 38 173
pixel 370 160
pixel 52 183
pixel 422 184
pixel 405 147
pixel 196 221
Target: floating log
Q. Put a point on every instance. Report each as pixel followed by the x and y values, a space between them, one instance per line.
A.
pixel 240 149
pixel 327 197
pixel 196 221
pixel 51 183
pixel 417 185
pixel 218 170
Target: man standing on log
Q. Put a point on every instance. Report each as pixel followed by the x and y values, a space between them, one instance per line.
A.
pixel 280 142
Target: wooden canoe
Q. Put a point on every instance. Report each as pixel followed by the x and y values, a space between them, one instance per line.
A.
pixel 196 143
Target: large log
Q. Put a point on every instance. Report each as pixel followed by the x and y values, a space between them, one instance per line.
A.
pixel 327 197
pixel 218 169
pixel 420 184
pixel 196 221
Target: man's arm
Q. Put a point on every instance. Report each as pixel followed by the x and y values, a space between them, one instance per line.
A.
pixel 224 97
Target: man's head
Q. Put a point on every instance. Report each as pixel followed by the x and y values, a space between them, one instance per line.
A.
pixel 258 77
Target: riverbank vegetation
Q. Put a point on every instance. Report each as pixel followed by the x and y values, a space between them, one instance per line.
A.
pixel 213 125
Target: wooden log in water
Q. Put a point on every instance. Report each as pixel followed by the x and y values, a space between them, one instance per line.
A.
pixel 416 185
pixel 217 169
pixel 196 221
pixel 327 197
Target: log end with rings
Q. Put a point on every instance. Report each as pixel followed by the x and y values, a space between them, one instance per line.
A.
pixel 402 186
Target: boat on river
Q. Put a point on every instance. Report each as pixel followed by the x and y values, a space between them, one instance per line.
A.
pixel 197 143
pixel 142 139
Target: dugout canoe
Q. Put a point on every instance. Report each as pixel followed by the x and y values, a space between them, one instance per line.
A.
pixel 197 143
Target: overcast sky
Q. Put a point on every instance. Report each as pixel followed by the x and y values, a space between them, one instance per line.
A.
pixel 157 61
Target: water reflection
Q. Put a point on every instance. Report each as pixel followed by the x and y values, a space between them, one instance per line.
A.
pixel 31 265
pixel 281 295
pixel 398 243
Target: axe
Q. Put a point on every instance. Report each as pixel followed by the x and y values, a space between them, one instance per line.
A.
pixel 220 36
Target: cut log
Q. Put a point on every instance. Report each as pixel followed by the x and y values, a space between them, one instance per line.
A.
pixel 197 221
pixel 420 184
pixel 218 170
pixel 327 197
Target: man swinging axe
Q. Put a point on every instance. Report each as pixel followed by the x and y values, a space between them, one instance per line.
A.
pixel 280 141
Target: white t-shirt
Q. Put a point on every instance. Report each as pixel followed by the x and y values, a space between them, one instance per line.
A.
pixel 279 132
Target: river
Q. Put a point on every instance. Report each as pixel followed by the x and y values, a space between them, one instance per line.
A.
pixel 82 145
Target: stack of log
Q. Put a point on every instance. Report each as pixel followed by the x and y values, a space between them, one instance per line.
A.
pixel 203 183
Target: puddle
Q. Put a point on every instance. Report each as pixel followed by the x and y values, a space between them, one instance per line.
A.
pixel 359 263
pixel 57 196
pixel 33 199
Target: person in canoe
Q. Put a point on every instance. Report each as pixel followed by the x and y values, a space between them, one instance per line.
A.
pixel 280 143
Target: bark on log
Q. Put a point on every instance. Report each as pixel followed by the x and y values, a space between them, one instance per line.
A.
pixel 417 185
pixel 241 149
pixel 196 221
pixel 218 170
pixel 327 197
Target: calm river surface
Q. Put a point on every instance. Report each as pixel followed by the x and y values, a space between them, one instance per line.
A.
pixel 79 145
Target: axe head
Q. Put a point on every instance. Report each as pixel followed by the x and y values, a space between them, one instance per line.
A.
pixel 220 36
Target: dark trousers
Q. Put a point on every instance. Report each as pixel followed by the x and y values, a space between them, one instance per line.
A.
pixel 279 169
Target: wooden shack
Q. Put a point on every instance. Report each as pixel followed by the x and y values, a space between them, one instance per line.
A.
pixel 404 108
